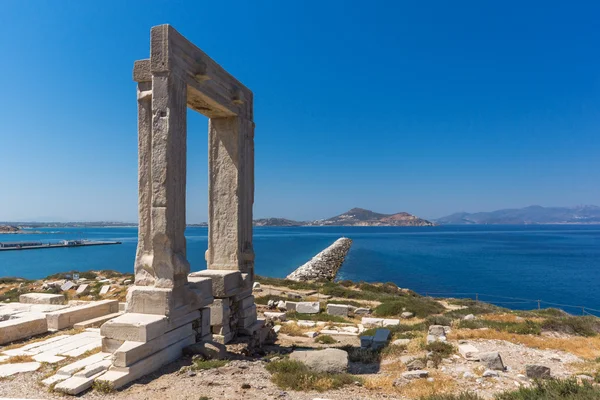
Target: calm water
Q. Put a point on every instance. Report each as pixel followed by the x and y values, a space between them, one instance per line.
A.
pixel 559 264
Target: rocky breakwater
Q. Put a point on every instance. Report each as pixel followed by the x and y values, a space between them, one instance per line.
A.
pixel 325 265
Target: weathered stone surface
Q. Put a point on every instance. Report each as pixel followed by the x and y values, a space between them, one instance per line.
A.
pixel 328 360
pixel 12 369
pixel 68 317
pixel 307 307
pixel 131 352
pixel 220 312
pixel 224 283
pixel 340 310
pixel 96 322
pixel 468 351
pixel 437 330
pixel 537 371
pixel 362 311
pixel 401 342
pixel 407 315
pixel 490 374
pixel 391 322
pixel 492 360
pixel 42 298
pixel 20 328
pixel 135 327
pixel 83 289
pixel 371 322
pixel 324 265
pixel 276 316
pixel 104 290
pixel 68 285
pixel 469 317
pixel 291 305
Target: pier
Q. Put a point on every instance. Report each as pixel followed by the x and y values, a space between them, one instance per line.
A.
pixel 29 245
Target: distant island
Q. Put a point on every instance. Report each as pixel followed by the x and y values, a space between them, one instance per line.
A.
pixel 527 216
pixel 353 217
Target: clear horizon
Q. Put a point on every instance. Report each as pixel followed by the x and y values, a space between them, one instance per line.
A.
pixel 429 108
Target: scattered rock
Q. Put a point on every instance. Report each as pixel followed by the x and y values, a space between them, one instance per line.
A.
pixel 469 317
pixel 415 365
pixel 490 374
pixel 416 374
pixel 362 311
pixel 537 371
pixel 256 287
pixel 328 360
pixel 492 360
pixel 282 305
pixel 407 315
pixel 308 307
pixel 340 310
pixel 401 342
pixel 468 351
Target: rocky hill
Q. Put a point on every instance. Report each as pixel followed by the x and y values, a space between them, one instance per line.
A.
pixel 362 217
pixel 277 222
pixel 528 215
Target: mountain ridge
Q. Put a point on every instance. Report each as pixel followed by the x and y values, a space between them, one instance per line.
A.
pixel 531 215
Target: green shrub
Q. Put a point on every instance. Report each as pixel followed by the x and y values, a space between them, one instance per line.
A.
pixel 438 320
pixel 200 365
pixel 400 331
pixel 287 283
pixel 325 339
pixel 554 390
pixel 11 296
pixel 583 326
pixel 523 327
pixel 346 283
pixel 420 306
pixel 293 375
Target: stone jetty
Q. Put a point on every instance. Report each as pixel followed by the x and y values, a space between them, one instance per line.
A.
pixel 325 265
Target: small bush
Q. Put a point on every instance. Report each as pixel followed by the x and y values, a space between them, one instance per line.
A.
pixel 420 306
pixel 11 295
pixel 526 327
pixel 438 320
pixel 200 365
pixel 554 390
pixel 346 283
pixel 325 339
pixel 439 350
pixel 583 326
pixel 291 330
pixel 293 375
pixel 287 283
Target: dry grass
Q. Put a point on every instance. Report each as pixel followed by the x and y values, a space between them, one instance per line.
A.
pixel 585 347
pixel 292 330
pixel 417 344
pixel 18 359
pixel 412 389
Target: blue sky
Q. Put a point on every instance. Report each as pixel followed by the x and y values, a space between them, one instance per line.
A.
pixel 428 107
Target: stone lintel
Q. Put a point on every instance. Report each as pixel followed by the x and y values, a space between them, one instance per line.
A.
pixel 135 327
pixel 212 90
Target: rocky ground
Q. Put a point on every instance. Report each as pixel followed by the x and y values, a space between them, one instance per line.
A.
pixel 568 346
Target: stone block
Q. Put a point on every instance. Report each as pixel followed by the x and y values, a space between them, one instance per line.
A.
pixel 416 374
pixel 21 328
pixel 492 360
pixel 135 327
pixel 380 338
pixel 241 295
pixel 95 322
pixel 407 315
pixel 391 322
pixel 42 298
pixel 328 360
pixel 340 310
pixel 224 339
pixel 247 322
pixel 68 285
pixel 537 371
pixel 245 302
pixel 150 300
pixel 224 283
pixel 83 289
pixel 68 317
pixel 183 320
pixel 371 322
pixel 220 312
pixel 117 377
pixel 12 369
pixel 275 316
pixel 209 350
pixel 308 307
pixel 247 281
pixel 468 351
pixel 204 284
pixel 131 352
pixel 366 341
pixel 247 312
pixel 401 342
pixel 111 345
pixel 361 311
pixel 291 305
pixel 73 368
pixel 104 290
pixel 249 331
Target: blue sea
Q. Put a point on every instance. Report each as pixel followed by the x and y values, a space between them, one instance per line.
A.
pixel 511 266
